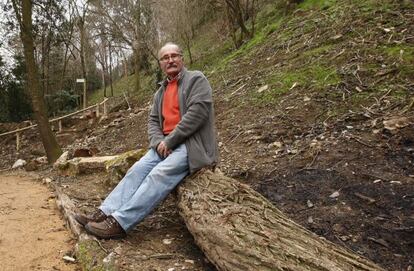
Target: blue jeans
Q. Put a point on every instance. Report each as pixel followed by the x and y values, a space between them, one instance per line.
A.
pixel 146 183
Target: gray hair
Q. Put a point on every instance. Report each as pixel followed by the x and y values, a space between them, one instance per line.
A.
pixel 170 44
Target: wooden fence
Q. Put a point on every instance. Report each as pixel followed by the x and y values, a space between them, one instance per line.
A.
pixel 18 132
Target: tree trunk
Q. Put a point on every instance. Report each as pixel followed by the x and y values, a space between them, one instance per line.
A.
pixel 238 17
pixel 103 80
pixel 125 67
pixel 65 60
pixel 232 26
pixel 50 144
pixel 81 26
pixel 137 70
pixel 238 229
pixel 110 69
pixel 43 65
pixel 65 63
pixel 187 41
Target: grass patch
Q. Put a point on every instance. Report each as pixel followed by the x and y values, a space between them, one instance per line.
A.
pixel 399 93
pixel 316 4
pixel 208 51
pixel 314 77
pixel 403 52
pixel 123 84
pixel 359 98
pixel 384 6
pixel 318 50
pixel 407 71
pixel 126 85
pixel 247 47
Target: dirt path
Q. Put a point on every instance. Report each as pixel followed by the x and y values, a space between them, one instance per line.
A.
pixel 32 235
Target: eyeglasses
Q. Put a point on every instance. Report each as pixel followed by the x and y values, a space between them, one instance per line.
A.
pixel 174 57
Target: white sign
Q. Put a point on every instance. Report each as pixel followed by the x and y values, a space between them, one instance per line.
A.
pixel 81 80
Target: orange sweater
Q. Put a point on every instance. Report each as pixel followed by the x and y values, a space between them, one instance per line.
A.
pixel 170 107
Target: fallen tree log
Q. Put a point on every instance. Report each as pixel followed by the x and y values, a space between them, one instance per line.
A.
pixel 238 229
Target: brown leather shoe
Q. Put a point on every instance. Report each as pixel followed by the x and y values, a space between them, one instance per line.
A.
pixel 107 229
pixel 97 216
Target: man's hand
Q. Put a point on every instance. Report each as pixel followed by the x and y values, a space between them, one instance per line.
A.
pixel 163 150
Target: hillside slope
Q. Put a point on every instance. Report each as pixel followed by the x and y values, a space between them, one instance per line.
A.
pixel 324 105
pixel 316 113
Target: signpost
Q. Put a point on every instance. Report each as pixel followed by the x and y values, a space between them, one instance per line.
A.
pixel 82 80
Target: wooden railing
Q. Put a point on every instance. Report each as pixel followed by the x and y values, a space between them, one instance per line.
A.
pixel 59 120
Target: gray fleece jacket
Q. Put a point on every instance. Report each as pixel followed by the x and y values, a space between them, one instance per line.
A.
pixel 196 128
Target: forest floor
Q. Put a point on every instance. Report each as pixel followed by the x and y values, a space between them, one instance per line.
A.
pixel 32 233
pixel 346 192
pixel 316 114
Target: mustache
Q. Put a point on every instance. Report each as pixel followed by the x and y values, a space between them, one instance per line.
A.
pixel 172 65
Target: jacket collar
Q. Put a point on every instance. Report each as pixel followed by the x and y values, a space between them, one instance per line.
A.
pixel 178 77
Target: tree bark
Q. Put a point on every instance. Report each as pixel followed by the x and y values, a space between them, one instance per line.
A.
pixel 137 63
pixel 125 62
pixel 187 41
pixel 110 69
pixel 103 80
pixel 238 16
pixel 81 26
pixel 50 144
pixel 238 229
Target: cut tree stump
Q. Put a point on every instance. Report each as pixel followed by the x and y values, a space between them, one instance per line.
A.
pixel 239 229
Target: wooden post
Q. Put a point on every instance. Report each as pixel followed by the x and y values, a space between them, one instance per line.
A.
pixel 84 94
pixel 97 110
pixel 17 141
pixel 60 126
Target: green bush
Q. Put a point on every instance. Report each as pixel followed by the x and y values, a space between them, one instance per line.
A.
pixel 61 102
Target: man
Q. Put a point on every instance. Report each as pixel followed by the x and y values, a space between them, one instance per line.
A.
pixel 182 140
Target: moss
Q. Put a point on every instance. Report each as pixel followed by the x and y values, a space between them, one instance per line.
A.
pixel 118 167
pixel 90 257
pixel 126 157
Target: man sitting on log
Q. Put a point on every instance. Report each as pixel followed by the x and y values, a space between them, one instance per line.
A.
pixel 182 140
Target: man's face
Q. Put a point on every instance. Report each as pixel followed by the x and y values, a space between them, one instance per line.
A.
pixel 171 61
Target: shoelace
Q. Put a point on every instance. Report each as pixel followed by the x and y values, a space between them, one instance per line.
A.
pixel 97 215
pixel 110 221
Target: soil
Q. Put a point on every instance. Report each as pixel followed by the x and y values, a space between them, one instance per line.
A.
pixel 33 236
pixel 370 174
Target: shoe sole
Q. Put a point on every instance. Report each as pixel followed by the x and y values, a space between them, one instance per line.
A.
pixel 115 237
